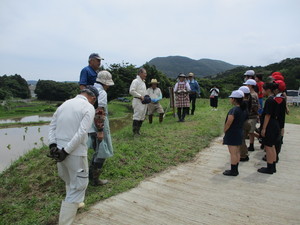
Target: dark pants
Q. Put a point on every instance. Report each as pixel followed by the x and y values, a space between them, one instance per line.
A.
pixel 181 112
pixel 214 102
pixel 96 162
pixel 193 98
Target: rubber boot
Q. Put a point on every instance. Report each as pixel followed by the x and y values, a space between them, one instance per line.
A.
pixel 161 117
pixel 67 213
pixel 139 125
pixel 251 148
pixel 150 118
pixel 96 181
pixel 233 172
pixel 184 111
pixel 135 125
pixel 268 170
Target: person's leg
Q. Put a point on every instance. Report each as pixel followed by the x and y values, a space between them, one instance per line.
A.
pixel 234 159
pixel 194 97
pixel 184 111
pixel 216 101
pixel 150 118
pixel 77 168
pixel 243 148
pixel 179 113
pixel 211 100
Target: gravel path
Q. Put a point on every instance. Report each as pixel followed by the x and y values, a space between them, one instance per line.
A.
pixel 198 193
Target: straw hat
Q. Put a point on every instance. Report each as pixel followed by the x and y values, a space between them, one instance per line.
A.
pixel 191 74
pixel 154 81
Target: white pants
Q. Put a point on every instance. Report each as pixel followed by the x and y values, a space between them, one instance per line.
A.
pixel 139 109
pixel 74 172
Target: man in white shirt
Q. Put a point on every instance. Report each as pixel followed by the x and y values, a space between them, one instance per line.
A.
pixel 155 94
pixel 138 91
pixel 68 145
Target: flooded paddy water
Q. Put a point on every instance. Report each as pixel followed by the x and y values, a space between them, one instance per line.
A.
pixel 16 141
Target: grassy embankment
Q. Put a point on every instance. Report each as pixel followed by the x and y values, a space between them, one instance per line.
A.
pixel 31 191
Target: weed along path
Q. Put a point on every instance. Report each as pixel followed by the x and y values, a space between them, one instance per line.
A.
pixel 198 193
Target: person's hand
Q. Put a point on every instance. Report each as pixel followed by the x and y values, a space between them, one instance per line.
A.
pixel 142 98
pixel 53 148
pixel 100 135
pixel 61 155
pixel 263 132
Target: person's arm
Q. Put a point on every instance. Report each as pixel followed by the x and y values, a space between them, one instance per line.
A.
pixel 133 90
pixel 159 95
pixel 83 79
pixel 99 122
pixel 188 87
pixel 198 88
pixel 266 122
pixel 176 87
pixel 228 123
pixel 52 128
pixel 82 131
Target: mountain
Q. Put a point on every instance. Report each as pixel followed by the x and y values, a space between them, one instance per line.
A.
pixel 173 65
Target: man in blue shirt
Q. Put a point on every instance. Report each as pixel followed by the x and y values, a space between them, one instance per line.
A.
pixel 195 91
pixel 88 74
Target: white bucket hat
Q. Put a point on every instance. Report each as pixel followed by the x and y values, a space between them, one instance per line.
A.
pixel 244 89
pixel 237 94
pixel 249 73
pixel 105 77
pixel 250 82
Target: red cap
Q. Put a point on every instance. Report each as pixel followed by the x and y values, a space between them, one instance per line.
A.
pixel 277 76
pixel 281 85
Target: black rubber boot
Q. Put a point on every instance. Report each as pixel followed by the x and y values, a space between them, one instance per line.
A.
pixel 274 167
pixel 139 125
pixel 233 172
pixel 135 128
pixel 244 159
pixel 184 111
pixel 251 148
pixel 161 117
pixel 179 115
pixel 268 170
pixel 150 118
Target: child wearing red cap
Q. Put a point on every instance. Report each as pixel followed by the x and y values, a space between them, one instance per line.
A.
pixel 270 129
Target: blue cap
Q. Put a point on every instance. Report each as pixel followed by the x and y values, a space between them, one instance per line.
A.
pixel 95 56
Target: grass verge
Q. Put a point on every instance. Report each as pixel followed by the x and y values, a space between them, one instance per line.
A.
pixel 31 191
pixel 294 115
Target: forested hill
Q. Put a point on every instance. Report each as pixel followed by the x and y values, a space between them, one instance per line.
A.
pixel 172 65
pixel 290 68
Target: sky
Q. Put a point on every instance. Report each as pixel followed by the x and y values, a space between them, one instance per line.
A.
pixel 53 39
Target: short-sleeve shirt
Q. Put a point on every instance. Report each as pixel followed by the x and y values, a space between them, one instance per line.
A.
pixel 260 85
pixel 87 76
pixel 271 108
pixel 234 134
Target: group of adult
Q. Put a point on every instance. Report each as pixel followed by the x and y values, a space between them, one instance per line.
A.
pixel 248 111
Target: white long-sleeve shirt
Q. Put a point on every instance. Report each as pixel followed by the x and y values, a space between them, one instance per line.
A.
pixel 102 98
pixel 183 82
pixel 70 124
pixel 154 93
pixel 138 87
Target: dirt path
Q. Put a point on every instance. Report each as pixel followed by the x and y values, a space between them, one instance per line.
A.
pixel 198 193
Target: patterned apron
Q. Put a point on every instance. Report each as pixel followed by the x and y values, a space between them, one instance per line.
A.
pixel 182 98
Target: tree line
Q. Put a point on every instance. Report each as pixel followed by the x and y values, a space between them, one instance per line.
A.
pixel 123 74
pixel 13 86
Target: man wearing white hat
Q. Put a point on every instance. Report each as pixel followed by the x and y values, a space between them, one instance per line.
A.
pixel 138 91
pixel 88 74
pixel 155 94
pixel 99 136
pixel 253 112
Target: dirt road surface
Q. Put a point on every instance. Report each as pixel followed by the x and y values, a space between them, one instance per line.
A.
pixel 198 193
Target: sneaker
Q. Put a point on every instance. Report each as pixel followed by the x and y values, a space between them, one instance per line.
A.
pixel 244 159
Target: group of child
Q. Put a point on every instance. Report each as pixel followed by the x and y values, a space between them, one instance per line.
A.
pixel 248 109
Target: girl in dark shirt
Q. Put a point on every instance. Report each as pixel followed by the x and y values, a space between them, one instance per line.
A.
pixel 233 129
pixel 270 127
